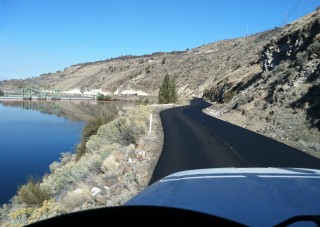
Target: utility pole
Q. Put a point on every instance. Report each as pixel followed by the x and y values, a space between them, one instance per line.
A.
pixel 286 18
pixel 247 31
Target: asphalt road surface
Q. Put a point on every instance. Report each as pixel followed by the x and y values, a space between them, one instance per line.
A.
pixel 194 140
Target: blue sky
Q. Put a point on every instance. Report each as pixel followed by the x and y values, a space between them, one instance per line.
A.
pixel 42 36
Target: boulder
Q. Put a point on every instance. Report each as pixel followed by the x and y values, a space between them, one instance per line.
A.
pixel 141 155
pixel 106 191
pixel 141 142
pixel 113 161
pixel 128 148
pixel 96 191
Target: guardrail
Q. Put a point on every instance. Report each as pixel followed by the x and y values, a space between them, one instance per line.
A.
pixel 35 98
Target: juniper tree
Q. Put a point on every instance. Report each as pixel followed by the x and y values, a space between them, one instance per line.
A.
pixel 167 92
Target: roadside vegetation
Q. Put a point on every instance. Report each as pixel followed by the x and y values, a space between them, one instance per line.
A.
pixel 102 97
pixel 89 130
pixel 1 93
pixel 32 193
pixel 83 179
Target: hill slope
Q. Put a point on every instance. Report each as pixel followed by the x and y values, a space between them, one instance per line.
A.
pixel 195 70
pixel 282 98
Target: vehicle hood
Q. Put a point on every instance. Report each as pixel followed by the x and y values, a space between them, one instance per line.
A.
pixel 251 196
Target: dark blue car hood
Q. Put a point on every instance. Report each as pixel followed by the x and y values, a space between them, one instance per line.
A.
pixel 251 196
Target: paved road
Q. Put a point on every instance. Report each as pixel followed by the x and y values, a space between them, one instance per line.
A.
pixel 194 140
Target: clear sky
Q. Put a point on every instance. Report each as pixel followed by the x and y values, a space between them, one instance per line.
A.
pixel 42 36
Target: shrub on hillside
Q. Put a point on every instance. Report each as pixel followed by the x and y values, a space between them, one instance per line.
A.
pixel 227 97
pixel 24 216
pixel 76 171
pixel 53 166
pixel 124 130
pixel 32 193
pixel 280 68
pixel 19 217
pixel 302 57
pixel 121 130
pixel 144 101
pixel 104 98
pixel 291 71
pixel 75 199
pixel 90 129
pixel 48 209
pixel 314 48
pixel 130 131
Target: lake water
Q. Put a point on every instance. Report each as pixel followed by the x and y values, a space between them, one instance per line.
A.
pixel 34 134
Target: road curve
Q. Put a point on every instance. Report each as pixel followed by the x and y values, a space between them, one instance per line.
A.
pixel 194 140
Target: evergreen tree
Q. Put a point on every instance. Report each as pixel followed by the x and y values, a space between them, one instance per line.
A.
pixel 173 91
pixel 167 92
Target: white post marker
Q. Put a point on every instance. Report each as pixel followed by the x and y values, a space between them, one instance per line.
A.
pixel 150 123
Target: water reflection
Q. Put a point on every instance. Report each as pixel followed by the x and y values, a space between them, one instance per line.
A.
pixel 32 136
pixel 75 110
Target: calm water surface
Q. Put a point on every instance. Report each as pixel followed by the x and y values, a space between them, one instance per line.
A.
pixel 34 134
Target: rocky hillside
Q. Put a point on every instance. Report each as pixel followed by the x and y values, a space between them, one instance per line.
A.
pixel 281 99
pixel 267 82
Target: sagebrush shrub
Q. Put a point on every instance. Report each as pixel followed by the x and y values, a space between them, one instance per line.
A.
pixel 75 199
pixel 228 96
pixel 48 209
pixel 24 216
pixel 19 217
pixel 314 48
pixel 32 193
pixel 123 130
pixel 53 166
pixel 89 130
pixel 280 68
pixel 302 57
pixel 75 171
